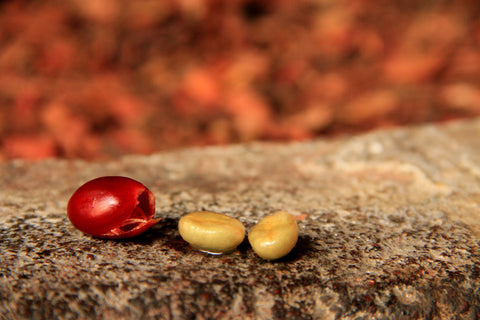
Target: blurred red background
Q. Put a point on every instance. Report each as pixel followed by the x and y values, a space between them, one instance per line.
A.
pixel 101 78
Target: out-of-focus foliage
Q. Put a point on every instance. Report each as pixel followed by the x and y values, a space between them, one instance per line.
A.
pixel 101 78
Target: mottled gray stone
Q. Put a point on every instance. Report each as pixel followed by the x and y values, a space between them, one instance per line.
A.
pixel 389 223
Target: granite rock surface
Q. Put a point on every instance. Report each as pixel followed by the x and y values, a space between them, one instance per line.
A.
pixel 389 228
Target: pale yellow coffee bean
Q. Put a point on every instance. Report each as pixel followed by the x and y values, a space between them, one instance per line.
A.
pixel 211 232
pixel 274 236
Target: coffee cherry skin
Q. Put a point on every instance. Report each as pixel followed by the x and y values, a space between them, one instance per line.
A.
pixel 112 207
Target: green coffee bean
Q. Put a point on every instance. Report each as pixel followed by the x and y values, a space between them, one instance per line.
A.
pixel 211 232
pixel 274 236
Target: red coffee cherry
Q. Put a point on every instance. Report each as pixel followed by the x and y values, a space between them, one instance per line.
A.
pixel 112 207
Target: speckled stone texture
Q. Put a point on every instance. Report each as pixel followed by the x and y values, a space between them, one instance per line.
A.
pixel 389 228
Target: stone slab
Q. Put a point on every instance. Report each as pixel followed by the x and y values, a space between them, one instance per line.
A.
pixel 389 228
